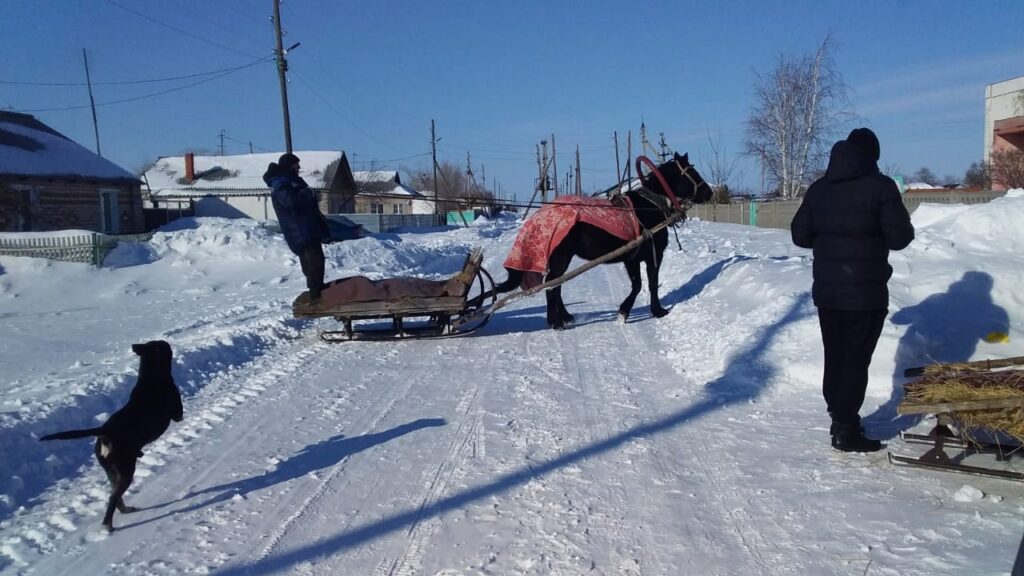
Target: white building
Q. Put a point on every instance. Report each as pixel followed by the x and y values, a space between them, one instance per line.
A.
pixel 1004 117
pixel 233 187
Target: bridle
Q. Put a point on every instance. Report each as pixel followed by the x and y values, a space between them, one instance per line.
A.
pixel 667 203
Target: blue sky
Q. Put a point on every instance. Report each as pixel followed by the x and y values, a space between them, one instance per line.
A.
pixel 498 77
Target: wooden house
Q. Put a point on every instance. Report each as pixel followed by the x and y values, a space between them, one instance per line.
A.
pixel 49 182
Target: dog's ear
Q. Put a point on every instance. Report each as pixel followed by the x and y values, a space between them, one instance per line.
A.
pixel 138 348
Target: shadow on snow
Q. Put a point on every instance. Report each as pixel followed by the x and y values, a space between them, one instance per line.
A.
pixel 745 379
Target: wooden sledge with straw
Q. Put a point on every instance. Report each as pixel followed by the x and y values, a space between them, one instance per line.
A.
pixel 983 401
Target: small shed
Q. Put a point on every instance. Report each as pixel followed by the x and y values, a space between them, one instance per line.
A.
pixel 233 187
pixel 49 182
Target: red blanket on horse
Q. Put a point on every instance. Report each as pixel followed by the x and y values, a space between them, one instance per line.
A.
pixel 546 229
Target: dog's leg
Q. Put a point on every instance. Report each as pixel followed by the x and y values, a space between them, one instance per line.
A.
pixel 120 472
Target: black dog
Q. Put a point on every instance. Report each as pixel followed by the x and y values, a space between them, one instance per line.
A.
pixel 154 402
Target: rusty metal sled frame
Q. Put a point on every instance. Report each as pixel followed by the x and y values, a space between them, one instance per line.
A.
pixel 948 449
pixel 410 318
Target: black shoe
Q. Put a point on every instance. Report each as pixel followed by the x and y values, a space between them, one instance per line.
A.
pixel 835 428
pixel 854 441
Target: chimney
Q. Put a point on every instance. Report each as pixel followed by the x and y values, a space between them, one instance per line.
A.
pixel 190 167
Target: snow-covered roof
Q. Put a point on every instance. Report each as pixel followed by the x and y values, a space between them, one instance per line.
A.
pixel 921 186
pixel 364 176
pixel 387 189
pixel 30 148
pixel 382 183
pixel 240 174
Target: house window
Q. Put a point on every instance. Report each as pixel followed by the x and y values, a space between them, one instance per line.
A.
pixel 397 209
pixel 377 208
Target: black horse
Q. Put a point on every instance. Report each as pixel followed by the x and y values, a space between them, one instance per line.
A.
pixel 652 206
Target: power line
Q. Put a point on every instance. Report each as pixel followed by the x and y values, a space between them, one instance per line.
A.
pixel 226 137
pixel 179 30
pixel 144 96
pixel 130 82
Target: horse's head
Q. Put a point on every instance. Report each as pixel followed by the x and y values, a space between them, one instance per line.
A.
pixel 681 177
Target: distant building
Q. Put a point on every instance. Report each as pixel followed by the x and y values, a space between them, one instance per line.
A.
pixel 1004 119
pixel 49 182
pixel 233 187
pixel 382 192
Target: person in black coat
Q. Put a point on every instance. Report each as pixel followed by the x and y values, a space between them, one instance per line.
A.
pixel 851 217
pixel 302 224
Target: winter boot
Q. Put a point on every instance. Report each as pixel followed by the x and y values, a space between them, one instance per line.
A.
pixel 850 438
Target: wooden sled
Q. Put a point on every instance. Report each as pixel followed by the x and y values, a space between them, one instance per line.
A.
pixel 409 307
pixel 961 433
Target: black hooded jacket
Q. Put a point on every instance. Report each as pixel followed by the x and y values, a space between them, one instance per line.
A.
pixel 852 217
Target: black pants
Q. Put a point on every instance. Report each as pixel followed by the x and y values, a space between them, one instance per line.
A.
pixel 849 337
pixel 312 261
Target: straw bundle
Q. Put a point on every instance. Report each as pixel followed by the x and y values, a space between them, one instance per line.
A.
pixel 964 390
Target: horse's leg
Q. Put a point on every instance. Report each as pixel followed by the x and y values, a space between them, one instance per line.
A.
pixel 635 283
pixel 653 263
pixel 557 315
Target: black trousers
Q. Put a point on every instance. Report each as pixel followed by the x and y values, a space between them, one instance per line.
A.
pixel 849 337
pixel 312 261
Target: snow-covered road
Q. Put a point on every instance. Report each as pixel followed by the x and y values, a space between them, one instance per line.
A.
pixel 692 444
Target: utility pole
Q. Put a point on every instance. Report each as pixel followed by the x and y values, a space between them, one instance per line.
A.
pixel 618 168
pixel 92 103
pixel 221 141
pixel 579 185
pixel 282 67
pixel 554 163
pixel 544 173
pixel 664 146
pixel 433 154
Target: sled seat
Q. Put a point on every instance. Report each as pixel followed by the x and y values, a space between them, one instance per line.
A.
pixel 358 297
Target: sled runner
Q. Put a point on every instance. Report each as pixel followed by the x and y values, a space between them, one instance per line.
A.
pixel 983 403
pixel 402 307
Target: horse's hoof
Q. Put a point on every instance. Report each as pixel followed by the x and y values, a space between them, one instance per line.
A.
pixel 568 319
pixel 623 317
pixel 659 312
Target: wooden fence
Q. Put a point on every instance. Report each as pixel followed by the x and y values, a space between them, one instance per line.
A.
pixel 87 248
pixel 779 213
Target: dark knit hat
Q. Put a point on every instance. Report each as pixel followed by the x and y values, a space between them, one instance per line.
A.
pixel 866 141
pixel 288 160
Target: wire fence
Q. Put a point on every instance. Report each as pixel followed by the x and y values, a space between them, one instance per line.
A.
pixel 88 248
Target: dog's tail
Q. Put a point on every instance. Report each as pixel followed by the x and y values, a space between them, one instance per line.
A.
pixel 72 434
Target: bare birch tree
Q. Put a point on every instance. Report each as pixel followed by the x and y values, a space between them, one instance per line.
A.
pixel 799 107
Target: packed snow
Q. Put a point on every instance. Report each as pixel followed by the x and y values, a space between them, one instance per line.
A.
pixel 691 444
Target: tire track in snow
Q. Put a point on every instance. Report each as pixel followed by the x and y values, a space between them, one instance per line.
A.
pixel 753 524
pixel 383 405
pixel 461 449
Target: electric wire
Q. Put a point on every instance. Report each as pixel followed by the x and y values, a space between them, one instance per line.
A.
pixel 179 30
pixel 133 82
pixel 143 96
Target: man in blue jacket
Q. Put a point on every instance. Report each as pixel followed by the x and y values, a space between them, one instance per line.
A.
pixel 852 217
pixel 302 224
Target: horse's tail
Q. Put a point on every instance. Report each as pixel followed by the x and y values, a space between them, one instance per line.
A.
pixel 72 434
pixel 510 284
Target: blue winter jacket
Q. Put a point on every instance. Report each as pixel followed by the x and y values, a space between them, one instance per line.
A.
pixel 295 204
